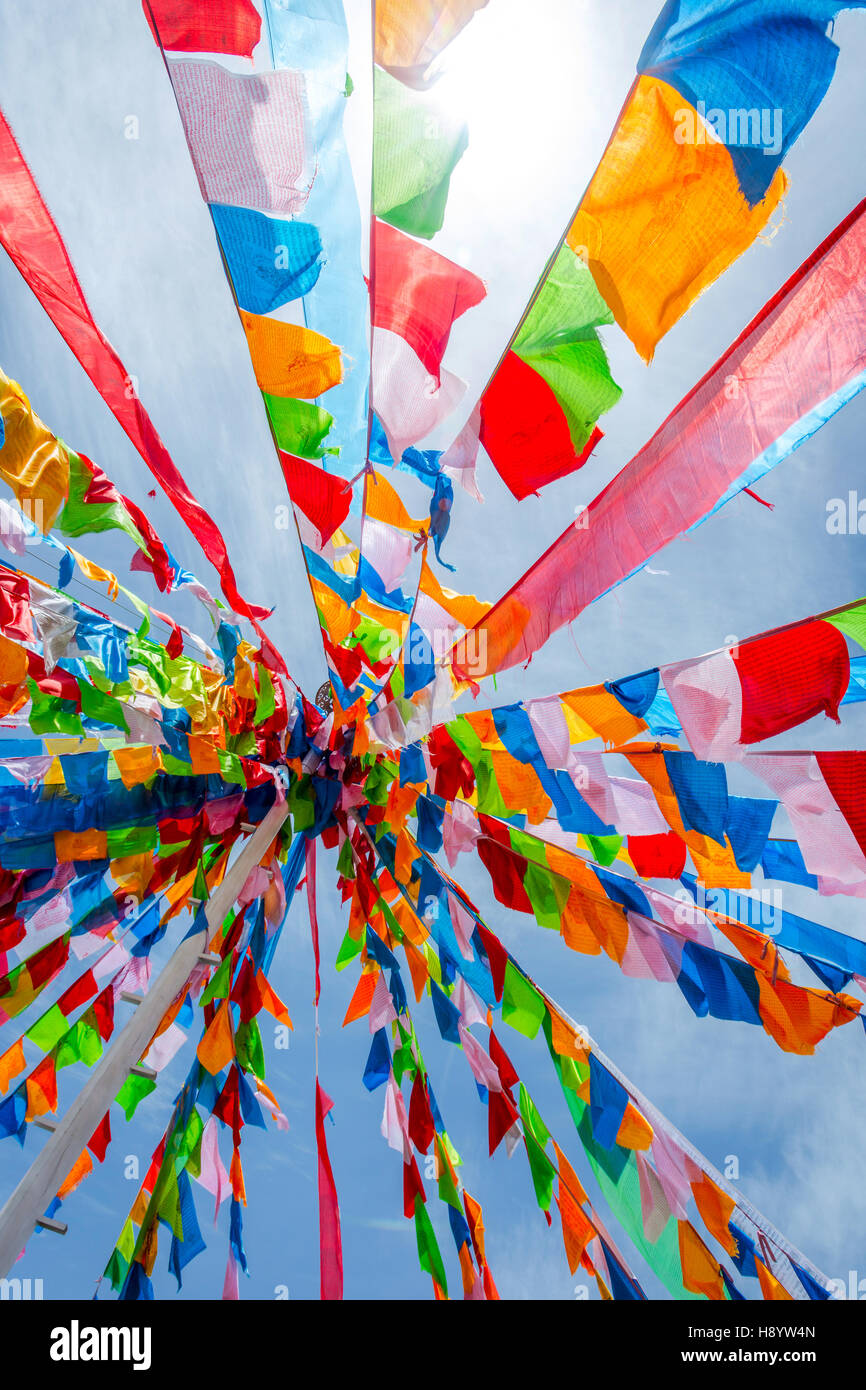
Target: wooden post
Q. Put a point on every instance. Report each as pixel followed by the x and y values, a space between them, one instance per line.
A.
pixel 46 1173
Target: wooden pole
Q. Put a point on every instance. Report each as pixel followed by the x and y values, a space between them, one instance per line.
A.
pixel 46 1173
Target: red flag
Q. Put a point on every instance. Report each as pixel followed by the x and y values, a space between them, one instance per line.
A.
pixel 845 775
pixel 205 26
pixel 657 856
pixel 323 497
pixel 500 1117
pixel 103 1012
pixel 78 993
pixel 497 956
pixel 418 294
pixel 31 239
pixel 421 1126
pixel 15 617
pixel 525 431
pixel 101 1137
pixel 790 676
pixel 412 1187
pixel 507 1075
pixel 310 860
pixel 45 964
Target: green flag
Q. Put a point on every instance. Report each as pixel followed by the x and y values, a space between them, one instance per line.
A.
pixel 429 1256
pixel 345 860
pixel 558 339
pixel 221 983
pixel 131 839
pixel 349 949
pixel 169 1205
pixel 548 894
pixel 248 1045
pixel 81 1043
pixel 80 516
pixel 99 705
pixel 416 147
pixel 404 1063
pixel 301 803
pixel 447 1187
pixel 231 767
pixel 378 643
pixel 522 1005
pixel 48 1029
pixel 133 1090
pixel 190 1144
pixel 51 715
pixel 852 622
pixel 265 703
pixel 117 1269
pixel 603 848
pixel 537 1137
pixel 299 427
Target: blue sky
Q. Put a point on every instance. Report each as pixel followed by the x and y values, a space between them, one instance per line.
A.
pixel 540 100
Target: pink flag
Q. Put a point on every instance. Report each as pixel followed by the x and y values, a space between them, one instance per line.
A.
pixel 644 957
pixel 408 399
pixel 330 1240
pixel 381 1006
pixel 459 831
pixel 255 884
pixel 213 1176
pixel 670 1164
pixel 395 1122
pixel 310 863
pixel 828 844
pixel 223 812
pixel 230 1283
pixel 680 914
pixel 272 1108
pixel 636 809
pixel 246 134
pixel 653 1204
pixel 464 925
pixel 466 1000
pixel 460 459
pixel 708 701
pixel 55 913
pixel 388 550
pixel 481 1064
pixel 163 1048
pixel 550 729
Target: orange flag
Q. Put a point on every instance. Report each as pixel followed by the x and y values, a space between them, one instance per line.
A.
pixel 272 1002
pixel 359 1004
pixel 41 1087
pixel 701 1272
pixel 83 1165
pixel 12 1063
pixel 217 1047
pixel 773 1291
